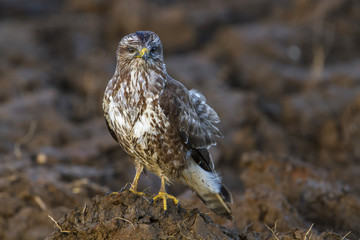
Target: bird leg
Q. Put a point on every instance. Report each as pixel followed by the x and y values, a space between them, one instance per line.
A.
pixel 162 194
pixel 139 168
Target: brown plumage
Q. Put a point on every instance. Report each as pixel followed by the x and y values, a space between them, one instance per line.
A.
pixel 163 126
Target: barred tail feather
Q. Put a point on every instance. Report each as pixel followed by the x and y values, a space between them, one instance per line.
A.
pixel 208 187
pixel 217 204
pixel 226 194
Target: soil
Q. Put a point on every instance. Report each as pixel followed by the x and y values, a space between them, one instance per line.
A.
pixel 128 216
pixel 283 76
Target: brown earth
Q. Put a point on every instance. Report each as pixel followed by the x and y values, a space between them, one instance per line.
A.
pixel 128 216
pixel 283 76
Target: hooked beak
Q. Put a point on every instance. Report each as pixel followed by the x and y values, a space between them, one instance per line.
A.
pixel 144 54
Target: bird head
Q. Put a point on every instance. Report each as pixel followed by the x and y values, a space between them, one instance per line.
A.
pixel 140 49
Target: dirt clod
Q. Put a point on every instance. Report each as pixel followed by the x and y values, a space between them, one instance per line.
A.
pixel 128 216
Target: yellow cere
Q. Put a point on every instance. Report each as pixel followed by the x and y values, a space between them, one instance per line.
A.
pixel 144 51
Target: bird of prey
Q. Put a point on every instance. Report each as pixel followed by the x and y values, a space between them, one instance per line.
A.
pixel 162 125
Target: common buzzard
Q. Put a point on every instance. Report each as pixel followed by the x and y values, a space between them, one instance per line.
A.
pixel 162 125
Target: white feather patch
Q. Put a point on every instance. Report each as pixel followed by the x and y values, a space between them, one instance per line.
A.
pixel 115 117
pixel 143 125
pixel 199 179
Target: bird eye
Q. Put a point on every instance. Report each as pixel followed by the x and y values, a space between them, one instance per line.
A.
pixel 153 49
pixel 131 50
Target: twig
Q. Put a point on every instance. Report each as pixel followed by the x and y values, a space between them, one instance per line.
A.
pixel 308 231
pixel 84 209
pixel 148 189
pixel 126 185
pixel 83 214
pixel 21 141
pixel 344 237
pixel 273 230
pixel 58 226
pixel 125 220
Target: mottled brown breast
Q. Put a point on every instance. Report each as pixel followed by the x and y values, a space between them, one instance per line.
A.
pixel 139 124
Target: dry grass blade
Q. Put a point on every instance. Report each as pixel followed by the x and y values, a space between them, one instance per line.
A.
pixel 58 226
pixel 273 230
pixel 124 219
pixel 308 231
pixel 344 237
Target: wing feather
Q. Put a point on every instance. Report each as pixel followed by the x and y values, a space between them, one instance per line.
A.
pixel 188 111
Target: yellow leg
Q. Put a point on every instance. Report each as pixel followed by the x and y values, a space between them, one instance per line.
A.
pixel 162 194
pixel 133 188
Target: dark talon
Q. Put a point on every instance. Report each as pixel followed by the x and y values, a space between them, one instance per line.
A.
pixel 123 188
pixel 108 193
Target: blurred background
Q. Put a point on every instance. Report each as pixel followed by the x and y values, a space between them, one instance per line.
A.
pixel 284 77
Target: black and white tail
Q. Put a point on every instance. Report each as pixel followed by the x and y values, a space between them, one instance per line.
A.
pixel 207 185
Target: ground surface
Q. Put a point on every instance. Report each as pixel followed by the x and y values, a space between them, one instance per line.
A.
pixel 283 76
pixel 128 216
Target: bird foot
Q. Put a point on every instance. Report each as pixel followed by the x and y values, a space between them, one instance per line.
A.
pixel 110 193
pixel 141 194
pixel 164 197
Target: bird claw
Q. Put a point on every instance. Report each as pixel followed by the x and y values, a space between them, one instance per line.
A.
pixel 141 194
pixel 164 197
pixel 109 193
